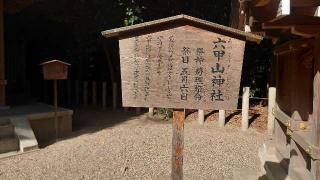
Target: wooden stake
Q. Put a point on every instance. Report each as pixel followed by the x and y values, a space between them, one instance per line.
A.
pixel 245 109
pixel 201 116
pixel 85 93
pixel 104 94
pixel 55 89
pixel 77 92
pixel 94 93
pixel 271 107
pixel 177 144
pixel 222 118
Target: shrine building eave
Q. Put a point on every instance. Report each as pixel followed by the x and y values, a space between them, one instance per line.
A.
pixel 178 20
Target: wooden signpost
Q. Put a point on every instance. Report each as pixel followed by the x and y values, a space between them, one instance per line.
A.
pixel 55 70
pixel 180 62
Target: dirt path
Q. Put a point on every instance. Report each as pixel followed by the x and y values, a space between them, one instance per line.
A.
pixel 139 148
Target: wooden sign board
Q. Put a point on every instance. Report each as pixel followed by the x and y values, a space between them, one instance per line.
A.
pixel 181 62
pixel 55 70
pixel 184 67
pixel 284 8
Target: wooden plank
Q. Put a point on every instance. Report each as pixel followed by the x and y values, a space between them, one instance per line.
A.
pixel 177 144
pixel 185 20
pixel 183 67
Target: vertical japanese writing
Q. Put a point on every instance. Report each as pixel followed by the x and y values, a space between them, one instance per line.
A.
pixel 136 68
pixel 198 81
pixel 147 68
pixel 170 65
pixel 218 70
pixel 184 86
pixel 159 55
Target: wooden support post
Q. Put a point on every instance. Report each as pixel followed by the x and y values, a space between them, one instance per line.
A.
pixel 56 123
pixel 104 94
pixel 85 93
pixel 94 93
pixel 3 82
pixel 177 144
pixel 69 92
pixel 271 107
pixel 77 92
pixel 201 116
pixel 115 95
pixel 245 109
pixel 315 164
pixel 151 111
pixel 222 118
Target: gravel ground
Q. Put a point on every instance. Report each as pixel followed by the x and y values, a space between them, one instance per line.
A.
pixel 139 148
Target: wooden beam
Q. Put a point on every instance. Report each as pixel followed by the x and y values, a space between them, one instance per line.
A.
pixel 307 31
pixel 3 82
pixel 177 144
pixel 293 45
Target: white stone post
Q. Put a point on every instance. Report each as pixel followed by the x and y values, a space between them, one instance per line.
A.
pixel 201 116
pixel 245 108
pixel 151 111
pixel 222 118
pixel 271 107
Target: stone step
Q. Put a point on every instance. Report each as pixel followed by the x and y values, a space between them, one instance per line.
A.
pixel 6 130
pixel 9 144
pixel 25 134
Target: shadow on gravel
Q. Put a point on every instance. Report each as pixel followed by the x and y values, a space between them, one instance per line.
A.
pixel 91 119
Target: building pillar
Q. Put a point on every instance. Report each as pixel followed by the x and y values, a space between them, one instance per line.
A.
pixel 3 81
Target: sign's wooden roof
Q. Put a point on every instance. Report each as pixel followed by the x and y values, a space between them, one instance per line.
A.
pixel 55 61
pixel 187 20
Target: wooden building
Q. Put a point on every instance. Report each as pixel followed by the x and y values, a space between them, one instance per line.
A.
pixel 294 27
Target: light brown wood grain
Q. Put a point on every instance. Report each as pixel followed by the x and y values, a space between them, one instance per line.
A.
pixel 134 56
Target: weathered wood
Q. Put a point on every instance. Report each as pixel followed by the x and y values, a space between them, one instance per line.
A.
pixel 69 92
pixel 55 99
pixel 185 72
pixel 2 57
pixel 85 93
pixel 177 144
pixel 201 116
pixel 185 19
pixel 94 93
pixel 245 109
pixel 104 94
pixel 271 109
pixel 77 91
pixel 55 69
pixel 222 118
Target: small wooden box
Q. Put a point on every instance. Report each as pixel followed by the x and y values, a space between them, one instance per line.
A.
pixel 55 70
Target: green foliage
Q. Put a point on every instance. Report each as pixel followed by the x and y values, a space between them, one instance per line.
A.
pixel 165 112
